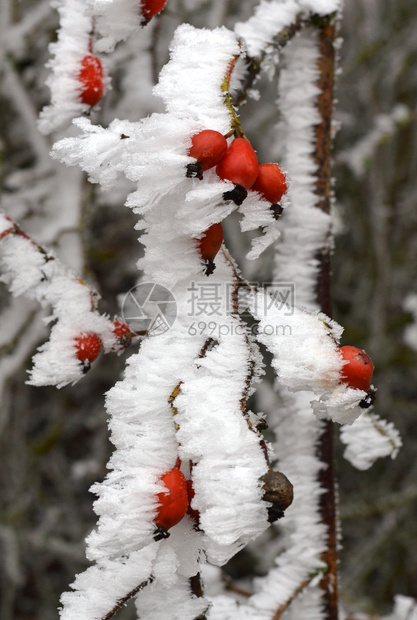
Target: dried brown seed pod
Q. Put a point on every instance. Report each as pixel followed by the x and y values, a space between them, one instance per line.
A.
pixel 278 491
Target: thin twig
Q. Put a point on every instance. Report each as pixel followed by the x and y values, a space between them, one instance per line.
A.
pixel 15 230
pixel 294 595
pixel 232 587
pixel 235 123
pixel 323 142
pixel 126 599
pixel 254 65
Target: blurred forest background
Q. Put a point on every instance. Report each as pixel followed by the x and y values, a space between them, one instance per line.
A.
pixel 54 443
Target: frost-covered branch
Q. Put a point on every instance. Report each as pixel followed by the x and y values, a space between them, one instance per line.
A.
pixel 32 271
pixel 180 410
pixel 125 599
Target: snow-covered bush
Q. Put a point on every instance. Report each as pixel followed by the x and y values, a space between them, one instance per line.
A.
pixel 182 402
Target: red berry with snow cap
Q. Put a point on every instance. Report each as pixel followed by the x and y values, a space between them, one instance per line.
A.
pixel 211 241
pixel 149 8
pixel 208 148
pixel 209 245
pixel 123 333
pixel 87 347
pixel 239 164
pixel 91 78
pixel 174 504
pixel 271 182
pixel 357 373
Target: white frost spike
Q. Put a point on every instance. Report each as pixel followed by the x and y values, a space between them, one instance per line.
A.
pixel 321 7
pixel 67 54
pixel 97 590
pixel 301 528
pixel 269 19
pixel 170 595
pixel 303 344
pixel 115 20
pixel 229 461
pixel 190 83
pixel 56 363
pixel 163 567
pixel 405 608
pixel 341 405
pixel 40 275
pixel 151 152
pixel 143 430
pixel 368 439
pixel 257 213
pixel 306 227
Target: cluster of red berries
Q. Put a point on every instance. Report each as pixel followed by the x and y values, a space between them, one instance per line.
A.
pixel 91 74
pixel 237 163
pixel 88 345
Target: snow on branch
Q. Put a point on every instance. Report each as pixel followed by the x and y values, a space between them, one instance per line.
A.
pixel 368 439
pixel 270 18
pixel 73 45
pixel 114 21
pixel 262 31
pixel 307 228
pixel 32 271
pixel 182 401
pixel 190 83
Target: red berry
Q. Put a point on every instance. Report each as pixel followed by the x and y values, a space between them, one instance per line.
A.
pixel 239 164
pixel 357 373
pixel 173 505
pixel 194 514
pixel 208 147
pixel 149 8
pixel 91 76
pixel 210 242
pixel 87 347
pixel 270 183
pixel 123 333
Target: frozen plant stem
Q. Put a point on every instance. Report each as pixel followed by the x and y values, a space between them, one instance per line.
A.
pixel 254 65
pixel 288 602
pixel 127 598
pixel 328 512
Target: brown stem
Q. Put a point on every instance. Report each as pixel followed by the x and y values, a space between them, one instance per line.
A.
pixel 196 585
pixel 323 140
pixel 125 599
pixel 294 595
pixel 234 120
pixel 232 587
